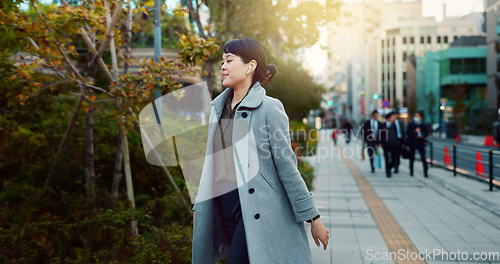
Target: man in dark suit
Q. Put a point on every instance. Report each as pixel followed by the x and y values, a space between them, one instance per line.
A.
pixel 417 132
pixel 400 127
pixel 371 136
pixel 391 137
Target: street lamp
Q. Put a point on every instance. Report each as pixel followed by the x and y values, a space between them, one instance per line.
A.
pixel 441 121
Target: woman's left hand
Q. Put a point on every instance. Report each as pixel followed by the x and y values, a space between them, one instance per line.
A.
pixel 320 233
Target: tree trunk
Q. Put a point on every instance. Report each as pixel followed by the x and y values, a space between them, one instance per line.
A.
pixel 63 143
pixel 209 67
pixel 128 38
pixel 89 157
pixel 117 174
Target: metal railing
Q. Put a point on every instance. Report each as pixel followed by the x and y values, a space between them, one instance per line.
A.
pixel 436 147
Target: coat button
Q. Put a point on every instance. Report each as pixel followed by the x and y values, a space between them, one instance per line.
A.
pixel 252 190
pixel 244 115
pixel 257 216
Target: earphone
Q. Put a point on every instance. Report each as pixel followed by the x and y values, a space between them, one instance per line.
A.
pixel 248 72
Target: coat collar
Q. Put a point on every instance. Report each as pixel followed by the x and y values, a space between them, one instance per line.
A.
pixel 252 100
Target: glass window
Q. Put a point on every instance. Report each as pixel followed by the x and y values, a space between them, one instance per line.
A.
pixel 482 66
pixel 456 66
pixel 412 40
pixel 439 39
pixel 445 39
pixel 404 40
pixel 422 40
pixel 471 66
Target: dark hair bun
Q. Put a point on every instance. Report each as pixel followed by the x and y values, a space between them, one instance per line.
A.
pixel 271 71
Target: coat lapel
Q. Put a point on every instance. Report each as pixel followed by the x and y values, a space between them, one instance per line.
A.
pixel 243 141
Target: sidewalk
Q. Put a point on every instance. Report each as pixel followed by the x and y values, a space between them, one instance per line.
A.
pixel 442 212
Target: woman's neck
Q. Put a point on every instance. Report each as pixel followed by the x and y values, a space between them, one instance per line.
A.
pixel 240 91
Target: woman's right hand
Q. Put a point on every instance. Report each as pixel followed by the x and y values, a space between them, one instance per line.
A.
pixel 320 233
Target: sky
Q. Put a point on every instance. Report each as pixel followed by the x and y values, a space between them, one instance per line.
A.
pixel 453 7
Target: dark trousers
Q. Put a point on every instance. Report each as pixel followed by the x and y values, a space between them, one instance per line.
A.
pixel 391 156
pixel 347 137
pixel 232 221
pixel 371 151
pixel 421 150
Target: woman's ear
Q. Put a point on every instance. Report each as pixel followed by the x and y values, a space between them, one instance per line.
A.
pixel 253 63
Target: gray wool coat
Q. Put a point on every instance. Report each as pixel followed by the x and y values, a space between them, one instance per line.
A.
pixel 274 198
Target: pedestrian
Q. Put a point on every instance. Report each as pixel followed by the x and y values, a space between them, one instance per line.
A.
pixel 252 202
pixel 391 138
pixel 401 137
pixel 371 136
pixel 417 133
pixel 347 130
pixel 334 135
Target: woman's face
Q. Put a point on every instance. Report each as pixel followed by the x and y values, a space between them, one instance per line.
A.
pixel 234 70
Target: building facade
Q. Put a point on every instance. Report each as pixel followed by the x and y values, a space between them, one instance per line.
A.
pixel 492 11
pixel 451 84
pixel 389 48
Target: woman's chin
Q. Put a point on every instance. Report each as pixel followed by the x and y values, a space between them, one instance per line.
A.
pixel 226 83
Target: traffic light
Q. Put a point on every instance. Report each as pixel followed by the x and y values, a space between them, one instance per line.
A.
pixel 330 103
pixel 375 96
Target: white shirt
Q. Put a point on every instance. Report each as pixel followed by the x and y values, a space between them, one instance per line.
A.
pixel 374 127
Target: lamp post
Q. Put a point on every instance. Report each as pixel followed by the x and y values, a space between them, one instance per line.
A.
pixel 442 107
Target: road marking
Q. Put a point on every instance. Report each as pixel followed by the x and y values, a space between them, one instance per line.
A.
pixel 393 234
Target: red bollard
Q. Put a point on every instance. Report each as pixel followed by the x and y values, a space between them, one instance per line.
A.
pixel 447 159
pixel 479 165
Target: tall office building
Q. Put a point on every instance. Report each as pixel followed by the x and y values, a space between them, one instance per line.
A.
pixel 389 47
pixel 346 40
pixel 492 11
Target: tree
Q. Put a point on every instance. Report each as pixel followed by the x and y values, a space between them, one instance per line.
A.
pixel 296 89
pixel 46 35
pixel 297 22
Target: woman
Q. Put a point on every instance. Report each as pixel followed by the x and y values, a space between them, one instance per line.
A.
pixel 252 201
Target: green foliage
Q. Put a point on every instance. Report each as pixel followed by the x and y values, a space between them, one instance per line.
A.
pixel 297 22
pixel 171 25
pixel 58 226
pixel 304 142
pixel 39 88
pixel 305 136
pixel 307 172
pixel 296 89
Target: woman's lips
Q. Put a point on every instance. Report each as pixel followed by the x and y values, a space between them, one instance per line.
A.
pixel 224 75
